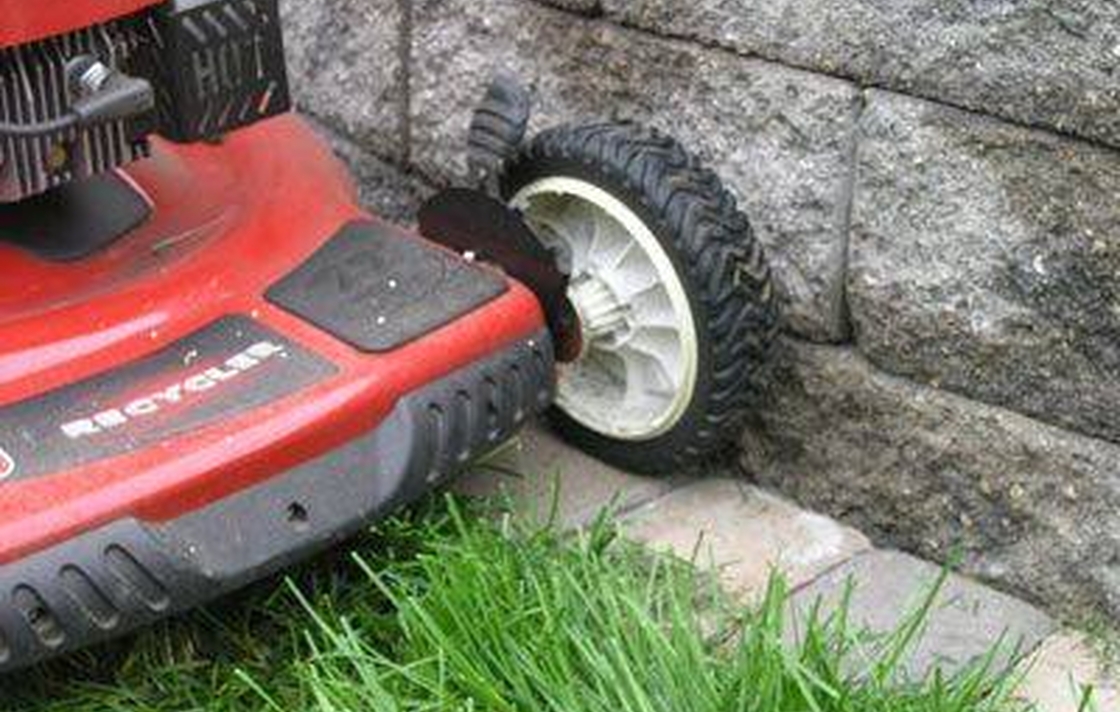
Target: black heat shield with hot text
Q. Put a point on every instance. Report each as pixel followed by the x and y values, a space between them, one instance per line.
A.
pixel 218 66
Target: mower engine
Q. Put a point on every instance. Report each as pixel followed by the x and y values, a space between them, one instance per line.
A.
pixel 79 104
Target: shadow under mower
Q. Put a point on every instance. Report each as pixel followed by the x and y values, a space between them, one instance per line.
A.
pixel 214 363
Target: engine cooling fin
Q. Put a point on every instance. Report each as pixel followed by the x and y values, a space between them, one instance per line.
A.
pixel 33 89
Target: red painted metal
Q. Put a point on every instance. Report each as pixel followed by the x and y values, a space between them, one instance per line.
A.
pixel 23 21
pixel 229 220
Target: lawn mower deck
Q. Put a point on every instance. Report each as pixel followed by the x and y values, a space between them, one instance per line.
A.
pixel 214 363
pixel 275 368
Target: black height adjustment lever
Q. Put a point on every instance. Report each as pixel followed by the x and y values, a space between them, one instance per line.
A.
pixel 497 129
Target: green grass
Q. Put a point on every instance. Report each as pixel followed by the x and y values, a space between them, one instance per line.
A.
pixel 441 611
pixel 1103 636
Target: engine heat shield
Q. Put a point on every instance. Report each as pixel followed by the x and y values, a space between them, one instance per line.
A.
pixel 219 65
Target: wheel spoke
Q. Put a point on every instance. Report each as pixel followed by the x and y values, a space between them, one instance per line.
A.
pixel 582 235
pixel 611 245
pixel 646 380
pixel 653 307
pixel 596 382
pixel 633 275
pixel 663 345
pixel 628 248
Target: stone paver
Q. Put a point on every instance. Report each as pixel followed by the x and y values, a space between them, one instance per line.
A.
pixel 966 620
pixel 745 533
pixel 1030 506
pixel 1059 672
pixel 540 466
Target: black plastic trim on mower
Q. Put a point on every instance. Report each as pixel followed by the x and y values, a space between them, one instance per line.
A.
pixel 129 573
pixel 74 220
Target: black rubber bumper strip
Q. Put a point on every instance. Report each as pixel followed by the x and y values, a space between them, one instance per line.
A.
pixel 128 574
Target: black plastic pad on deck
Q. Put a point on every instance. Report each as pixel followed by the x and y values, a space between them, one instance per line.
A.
pixel 377 289
pixel 74 220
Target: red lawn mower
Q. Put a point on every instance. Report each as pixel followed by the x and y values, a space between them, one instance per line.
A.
pixel 213 363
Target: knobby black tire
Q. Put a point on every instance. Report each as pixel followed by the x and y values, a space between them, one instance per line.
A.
pixel 720 262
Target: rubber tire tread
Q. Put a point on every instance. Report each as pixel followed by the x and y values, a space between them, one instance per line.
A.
pixel 721 264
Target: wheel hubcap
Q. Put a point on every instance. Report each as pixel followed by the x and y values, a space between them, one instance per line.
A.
pixel 637 369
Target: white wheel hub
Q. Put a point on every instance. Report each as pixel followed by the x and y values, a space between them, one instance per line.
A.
pixel 636 373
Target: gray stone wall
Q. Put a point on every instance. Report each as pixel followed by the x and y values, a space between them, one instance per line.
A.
pixel 938 185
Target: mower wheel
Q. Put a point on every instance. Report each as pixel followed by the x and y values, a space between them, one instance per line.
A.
pixel 673 293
